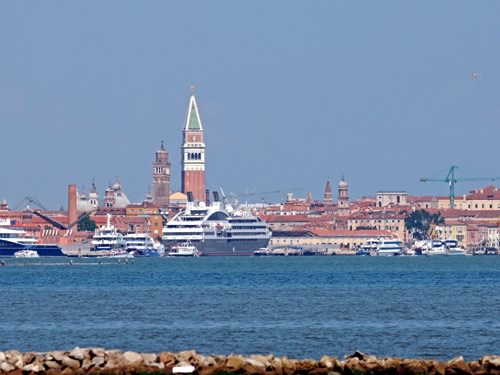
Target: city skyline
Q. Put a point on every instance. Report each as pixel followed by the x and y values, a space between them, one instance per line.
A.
pixel 289 98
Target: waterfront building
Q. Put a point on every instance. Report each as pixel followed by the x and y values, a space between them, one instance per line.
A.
pixel 487 198
pixel 451 230
pixel 152 221
pixel 391 198
pixel 193 153
pixel 153 224
pixel 383 220
pixel 326 238
pixel 161 178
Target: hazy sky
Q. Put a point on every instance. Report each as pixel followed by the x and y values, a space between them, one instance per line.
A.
pixel 290 93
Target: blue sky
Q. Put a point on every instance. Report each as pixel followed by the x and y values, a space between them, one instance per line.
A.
pixel 290 93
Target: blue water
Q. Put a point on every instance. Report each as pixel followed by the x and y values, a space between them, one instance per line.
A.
pixel 302 307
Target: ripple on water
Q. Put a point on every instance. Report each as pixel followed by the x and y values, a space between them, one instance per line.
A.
pixel 300 307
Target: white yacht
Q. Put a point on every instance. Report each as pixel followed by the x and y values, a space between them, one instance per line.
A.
pixel 107 237
pixel 142 244
pixel 434 247
pixel 217 229
pixel 452 248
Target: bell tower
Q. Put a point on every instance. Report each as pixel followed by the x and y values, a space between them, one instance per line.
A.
pixel 161 178
pixel 327 197
pixel 343 202
pixel 193 152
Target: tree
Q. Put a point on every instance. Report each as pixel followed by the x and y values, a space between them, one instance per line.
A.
pixel 420 223
pixel 87 225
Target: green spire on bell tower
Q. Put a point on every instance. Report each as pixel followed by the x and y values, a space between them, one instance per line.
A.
pixel 193 121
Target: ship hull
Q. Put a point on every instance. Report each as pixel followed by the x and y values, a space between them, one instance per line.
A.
pixel 42 250
pixel 221 247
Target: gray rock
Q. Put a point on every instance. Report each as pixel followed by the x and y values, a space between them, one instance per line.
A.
pixel 185 356
pixel 71 363
pixel 34 367
pixel 57 356
pixel 327 362
pixel 52 364
pixel 158 365
pixel 235 362
pixel 3 358
pixel 78 354
pixel 87 364
pixel 97 352
pixel 149 358
pixel 255 363
pixel 6 367
pixel 15 358
pixel 98 361
pixel 129 358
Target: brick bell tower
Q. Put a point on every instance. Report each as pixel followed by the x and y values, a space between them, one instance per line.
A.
pixel 161 178
pixel 193 152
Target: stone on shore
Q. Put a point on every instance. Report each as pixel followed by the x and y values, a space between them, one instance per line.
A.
pixel 81 361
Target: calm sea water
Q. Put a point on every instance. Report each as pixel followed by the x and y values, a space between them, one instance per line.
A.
pixel 302 307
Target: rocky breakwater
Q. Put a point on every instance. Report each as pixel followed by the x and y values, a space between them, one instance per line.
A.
pixel 101 361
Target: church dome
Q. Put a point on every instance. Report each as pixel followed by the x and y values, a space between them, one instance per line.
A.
pixel 121 200
pixel 343 184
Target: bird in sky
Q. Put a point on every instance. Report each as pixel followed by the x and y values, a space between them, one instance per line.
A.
pixel 474 75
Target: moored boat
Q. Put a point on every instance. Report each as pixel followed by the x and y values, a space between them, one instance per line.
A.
pixel 26 254
pixel 452 248
pixel 183 250
pixel 435 248
pixel 141 244
pixel 107 237
pixel 13 240
pixel 217 229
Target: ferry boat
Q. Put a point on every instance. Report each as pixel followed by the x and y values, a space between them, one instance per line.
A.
pixel 107 237
pixel 13 240
pixel 142 244
pixel 183 250
pixel 381 247
pixel 217 229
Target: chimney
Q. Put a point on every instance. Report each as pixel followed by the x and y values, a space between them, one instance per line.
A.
pixel 207 197
pixel 216 196
pixel 72 214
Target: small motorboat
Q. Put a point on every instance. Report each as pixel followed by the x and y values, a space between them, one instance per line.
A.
pixel 26 254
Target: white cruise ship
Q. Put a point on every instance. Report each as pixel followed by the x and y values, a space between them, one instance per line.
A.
pixel 216 230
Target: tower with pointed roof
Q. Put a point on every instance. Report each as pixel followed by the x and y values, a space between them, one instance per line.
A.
pixel 161 178
pixel 327 197
pixel 193 152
